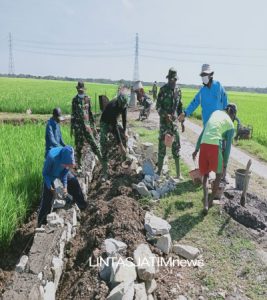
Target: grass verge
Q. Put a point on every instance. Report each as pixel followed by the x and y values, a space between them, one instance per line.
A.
pixel 229 255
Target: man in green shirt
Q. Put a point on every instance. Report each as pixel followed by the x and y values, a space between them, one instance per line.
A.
pixel 219 128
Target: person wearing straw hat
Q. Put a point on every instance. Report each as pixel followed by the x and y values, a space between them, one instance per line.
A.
pixel 53 135
pixel 210 97
pixel 169 106
pixel 83 123
pixel 219 128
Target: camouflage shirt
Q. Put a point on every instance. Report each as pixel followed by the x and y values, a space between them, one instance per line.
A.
pixel 169 103
pixel 81 112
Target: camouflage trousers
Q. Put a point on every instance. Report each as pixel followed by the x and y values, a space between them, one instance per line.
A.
pixel 81 135
pixel 176 146
pixel 105 129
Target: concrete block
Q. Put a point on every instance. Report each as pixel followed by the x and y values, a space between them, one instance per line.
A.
pixel 122 270
pixel 123 291
pixel 50 291
pixel 57 268
pixel 113 247
pixel 141 189
pixel 20 267
pixel 151 286
pixel 155 225
pixel 145 262
pixel 140 291
pixel 186 251
pixel 164 243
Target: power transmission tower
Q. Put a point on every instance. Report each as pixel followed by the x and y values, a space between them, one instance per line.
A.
pixel 11 67
pixel 136 63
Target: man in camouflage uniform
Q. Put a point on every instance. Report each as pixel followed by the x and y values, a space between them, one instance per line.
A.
pixel 83 123
pixel 169 106
pixel 109 123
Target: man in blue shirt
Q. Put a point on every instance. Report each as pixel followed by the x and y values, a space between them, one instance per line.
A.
pixel 53 136
pixel 57 164
pixel 210 97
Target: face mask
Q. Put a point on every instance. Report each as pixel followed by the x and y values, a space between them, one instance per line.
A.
pixel 81 95
pixel 205 79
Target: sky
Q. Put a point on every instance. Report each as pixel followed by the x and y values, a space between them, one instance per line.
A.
pixel 96 39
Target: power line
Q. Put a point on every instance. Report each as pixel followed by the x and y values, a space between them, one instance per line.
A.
pixel 202 46
pixel 200 62
pixel 199 54
pixel 72 55
pixel 75 43
pixel 26 47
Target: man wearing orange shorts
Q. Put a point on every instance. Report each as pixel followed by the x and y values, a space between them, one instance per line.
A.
pixel 219 128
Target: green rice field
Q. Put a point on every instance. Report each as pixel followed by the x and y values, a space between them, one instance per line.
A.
pixel 41 96
pixel 21 160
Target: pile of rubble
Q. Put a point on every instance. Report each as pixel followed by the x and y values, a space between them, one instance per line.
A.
pixel 134 277
pixel 143 159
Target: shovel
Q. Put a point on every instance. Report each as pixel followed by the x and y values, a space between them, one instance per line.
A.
pixel 244 193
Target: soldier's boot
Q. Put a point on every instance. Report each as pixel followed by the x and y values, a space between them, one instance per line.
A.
pixel 178 168
pixel 160 165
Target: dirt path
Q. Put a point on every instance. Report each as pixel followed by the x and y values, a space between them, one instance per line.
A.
pixel 238 158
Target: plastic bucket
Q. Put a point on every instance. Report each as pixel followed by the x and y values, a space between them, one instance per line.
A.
pixel 168 140
pixel 240 178
pixel 196 176
pixel 220 190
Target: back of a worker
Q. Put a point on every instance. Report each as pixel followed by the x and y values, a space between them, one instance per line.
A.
pixel 218 128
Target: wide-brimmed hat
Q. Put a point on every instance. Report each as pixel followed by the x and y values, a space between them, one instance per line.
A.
pixel 172 73
pixel 80 86
pixel 58 114
pixel 206 69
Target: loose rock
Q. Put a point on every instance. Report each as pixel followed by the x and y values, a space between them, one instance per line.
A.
pixel 155 225
pixel 145 262
pixel 164 243
pixel 186 251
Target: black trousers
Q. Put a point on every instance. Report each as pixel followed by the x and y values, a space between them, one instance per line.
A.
pixel 74 190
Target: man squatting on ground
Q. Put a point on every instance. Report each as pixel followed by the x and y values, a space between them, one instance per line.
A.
pixel 109 123
pixel 169 106
pixel 57 164
pixel 83 123
pixel 219 128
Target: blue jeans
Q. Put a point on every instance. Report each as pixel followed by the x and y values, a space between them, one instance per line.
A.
pixel 74 190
